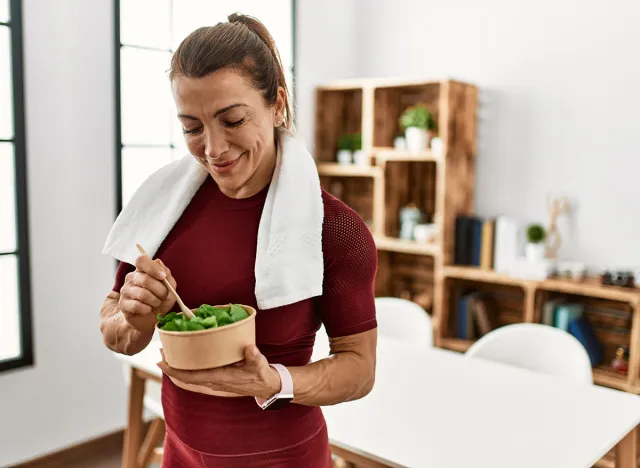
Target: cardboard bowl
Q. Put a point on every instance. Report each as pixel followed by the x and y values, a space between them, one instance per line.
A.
pixel 214 347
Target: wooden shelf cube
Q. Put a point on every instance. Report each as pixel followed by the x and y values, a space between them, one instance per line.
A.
pixel 338 112
pixel 389 102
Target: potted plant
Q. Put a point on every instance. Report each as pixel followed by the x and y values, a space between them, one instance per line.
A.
pixel 358 155
pixel 344 154
pixel 535 248
pixel 417 122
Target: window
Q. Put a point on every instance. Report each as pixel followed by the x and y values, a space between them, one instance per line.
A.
pixel 15 315
pixel 147 32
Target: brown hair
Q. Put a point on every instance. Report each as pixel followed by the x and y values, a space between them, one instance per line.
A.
pixel 244 44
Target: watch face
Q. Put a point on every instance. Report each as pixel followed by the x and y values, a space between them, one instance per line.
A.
pixel 274 403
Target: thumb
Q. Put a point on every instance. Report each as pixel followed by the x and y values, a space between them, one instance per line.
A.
pixel 252 354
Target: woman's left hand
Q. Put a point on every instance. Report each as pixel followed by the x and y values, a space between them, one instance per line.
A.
pixel 251 377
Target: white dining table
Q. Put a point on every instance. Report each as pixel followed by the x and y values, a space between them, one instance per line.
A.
pixel 438 408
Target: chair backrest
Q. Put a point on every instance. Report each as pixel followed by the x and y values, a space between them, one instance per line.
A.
pixel 537 347
pixel 404 321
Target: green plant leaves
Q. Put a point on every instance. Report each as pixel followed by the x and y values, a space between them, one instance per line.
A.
pixel 417 116
pixel 206 317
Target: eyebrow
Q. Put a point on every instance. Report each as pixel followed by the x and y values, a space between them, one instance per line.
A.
pixel 218 112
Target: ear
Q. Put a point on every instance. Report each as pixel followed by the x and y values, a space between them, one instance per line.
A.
pixel 279 107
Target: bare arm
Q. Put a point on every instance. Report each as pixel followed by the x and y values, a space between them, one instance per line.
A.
pixel 128 318
pixel 348 374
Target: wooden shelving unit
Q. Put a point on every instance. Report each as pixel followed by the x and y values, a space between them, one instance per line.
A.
pixel 604 305
pixel 441 186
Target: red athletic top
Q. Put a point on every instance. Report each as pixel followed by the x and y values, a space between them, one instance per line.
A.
pixel 211 252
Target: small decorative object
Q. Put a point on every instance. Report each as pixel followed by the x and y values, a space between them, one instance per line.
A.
pixel 409 216
pixel 425 233
pixel 417 122
pixel 359 156
pixel 619 363
pixel 557 206
pixel 399 143
pixel 437 146
pixel 571 270
pixel 621 278
pixel 345 154
pixel 534 250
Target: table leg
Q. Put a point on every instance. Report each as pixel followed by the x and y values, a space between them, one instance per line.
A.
pixel 133 431
pixel 627 451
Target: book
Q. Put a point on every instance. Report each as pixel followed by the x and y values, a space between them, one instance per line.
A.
pixel 507 243
pixel 484 314
pixel 488 239
pixel 465 319
pixel 565 313
pixel 468 240
pixel 549 310
pixel 582 330
pixel 462 241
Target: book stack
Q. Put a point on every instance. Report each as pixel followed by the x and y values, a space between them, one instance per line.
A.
pixel 498 244
pixel 570 318
pixel 477 316
pixel 474 241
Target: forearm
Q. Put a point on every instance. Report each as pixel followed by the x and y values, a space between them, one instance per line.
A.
pixel 346 375
pixel 118 334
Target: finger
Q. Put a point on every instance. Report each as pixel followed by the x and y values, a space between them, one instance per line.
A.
pixel 252 355
pixel 199 377
pixel 170 277
pixel 143 280
pixel 148 266
pixel 133 307
pixel 142 295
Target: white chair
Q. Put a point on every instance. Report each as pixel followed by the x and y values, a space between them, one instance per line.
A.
pixel 537 347
pixel 404 321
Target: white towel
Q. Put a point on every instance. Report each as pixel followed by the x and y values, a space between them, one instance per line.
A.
pixel 289 262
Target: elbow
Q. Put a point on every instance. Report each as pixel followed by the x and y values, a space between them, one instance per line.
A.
pixel 368 385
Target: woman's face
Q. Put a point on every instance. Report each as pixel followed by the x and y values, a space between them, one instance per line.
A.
pixel 229 128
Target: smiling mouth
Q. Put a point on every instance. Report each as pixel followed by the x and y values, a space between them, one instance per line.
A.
pixel 226 166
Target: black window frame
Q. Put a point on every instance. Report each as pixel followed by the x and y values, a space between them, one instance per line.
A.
pixel 26 358
pixel 118 92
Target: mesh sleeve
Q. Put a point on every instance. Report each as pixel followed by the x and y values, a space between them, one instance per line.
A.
pixel 121 273
pixel 347 304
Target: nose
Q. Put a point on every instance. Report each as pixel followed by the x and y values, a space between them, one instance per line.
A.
pixel 215 144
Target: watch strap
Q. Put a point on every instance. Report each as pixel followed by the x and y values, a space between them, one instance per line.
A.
pixel 285 394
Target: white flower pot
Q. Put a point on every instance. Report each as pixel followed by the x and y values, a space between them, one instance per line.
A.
pixel 344 156
pixel 360 158
pixel 534 252
pixel 417 139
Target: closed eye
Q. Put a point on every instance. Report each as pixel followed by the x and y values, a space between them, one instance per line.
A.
pixel 193 131
pixel 236 123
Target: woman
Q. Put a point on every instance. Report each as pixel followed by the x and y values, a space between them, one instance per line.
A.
pixel 230 92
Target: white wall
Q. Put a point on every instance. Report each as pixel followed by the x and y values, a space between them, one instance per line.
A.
pixel 559 105
pixel 75 391
pixel 326 50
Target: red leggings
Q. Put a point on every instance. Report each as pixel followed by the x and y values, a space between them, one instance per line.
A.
pixel 311 453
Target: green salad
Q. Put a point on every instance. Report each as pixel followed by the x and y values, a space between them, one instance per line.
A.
pixel 205 317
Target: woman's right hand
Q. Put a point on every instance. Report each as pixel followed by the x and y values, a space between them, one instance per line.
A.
pixel 144 295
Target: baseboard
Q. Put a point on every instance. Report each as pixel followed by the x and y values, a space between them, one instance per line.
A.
pixel 88 450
